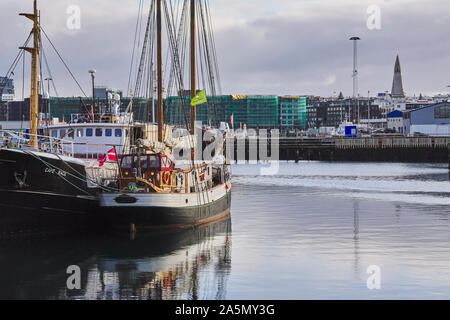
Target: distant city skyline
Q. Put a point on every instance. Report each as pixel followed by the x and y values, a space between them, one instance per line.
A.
pixel 264 47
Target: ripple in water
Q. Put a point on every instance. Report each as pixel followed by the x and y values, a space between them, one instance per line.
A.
pixel 413 183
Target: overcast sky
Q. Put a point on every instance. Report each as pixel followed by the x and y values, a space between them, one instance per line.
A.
pixel 264 46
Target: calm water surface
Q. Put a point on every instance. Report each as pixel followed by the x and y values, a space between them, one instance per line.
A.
pixel 309 232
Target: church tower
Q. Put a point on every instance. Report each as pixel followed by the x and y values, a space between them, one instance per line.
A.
pixel 397 85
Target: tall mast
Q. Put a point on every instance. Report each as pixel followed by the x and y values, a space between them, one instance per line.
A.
pixel 34 99
pixel 193 69
pixel 159 62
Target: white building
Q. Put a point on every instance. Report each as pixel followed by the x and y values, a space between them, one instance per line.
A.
pixel 395 121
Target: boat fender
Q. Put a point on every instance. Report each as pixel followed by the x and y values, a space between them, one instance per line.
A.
pixel 125 199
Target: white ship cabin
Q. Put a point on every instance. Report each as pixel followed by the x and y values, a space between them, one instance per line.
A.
pixel 91 140
pixel 94 132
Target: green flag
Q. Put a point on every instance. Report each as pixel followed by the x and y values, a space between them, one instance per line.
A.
pixel 199 98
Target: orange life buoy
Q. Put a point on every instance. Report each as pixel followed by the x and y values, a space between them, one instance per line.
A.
pixel 166 177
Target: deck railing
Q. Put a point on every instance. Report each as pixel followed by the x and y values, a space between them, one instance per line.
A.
pixel 54 145
pixel 20 139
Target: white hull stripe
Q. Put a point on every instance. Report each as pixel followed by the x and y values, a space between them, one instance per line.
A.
pixel 166 200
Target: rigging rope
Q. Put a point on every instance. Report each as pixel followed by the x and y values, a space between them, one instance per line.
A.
pixel 11 69
pixel 134 46
pixel 55 167
pixel 65 64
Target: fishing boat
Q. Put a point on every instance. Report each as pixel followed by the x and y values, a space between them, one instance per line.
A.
pixel 155 190
pixel 43 188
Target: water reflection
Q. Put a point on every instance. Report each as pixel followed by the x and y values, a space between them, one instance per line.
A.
pixel 356 237
pixel 309 232
pixel 312 231
pixel 193 264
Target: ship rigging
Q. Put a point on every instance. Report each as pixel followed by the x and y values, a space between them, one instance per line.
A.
pixel 156 190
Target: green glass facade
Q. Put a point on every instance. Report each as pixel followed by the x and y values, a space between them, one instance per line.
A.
pixel 238 107
pixel 262 111
pixel 293 112
pixel 63 108
pixel 254 111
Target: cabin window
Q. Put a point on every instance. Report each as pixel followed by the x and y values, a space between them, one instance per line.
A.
pixel 127 162
pixel 89 132
pixel 108 132
pixel 54 133
pixel 98 132
pixel 154 161
pixel 144 163
pixel 118 132
pixel 62 132
pixel 79 133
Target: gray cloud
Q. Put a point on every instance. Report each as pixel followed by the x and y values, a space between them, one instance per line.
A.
pixel 264 47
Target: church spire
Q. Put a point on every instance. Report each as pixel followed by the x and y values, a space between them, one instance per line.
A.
pixel 397 85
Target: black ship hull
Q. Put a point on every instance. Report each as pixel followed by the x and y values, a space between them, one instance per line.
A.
pixel 42 193
pixel 161 212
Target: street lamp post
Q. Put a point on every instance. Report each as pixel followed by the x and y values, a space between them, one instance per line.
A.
pixel 92 72
pixel 368 109
pixel 355 72
pixel 48 85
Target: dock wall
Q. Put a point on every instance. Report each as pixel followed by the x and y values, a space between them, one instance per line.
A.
pixel 385 149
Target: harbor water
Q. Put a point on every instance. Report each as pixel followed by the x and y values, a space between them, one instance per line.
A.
pixel 313 230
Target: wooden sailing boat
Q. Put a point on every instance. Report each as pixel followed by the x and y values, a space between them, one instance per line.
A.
pixel 153 194
pixel 40 191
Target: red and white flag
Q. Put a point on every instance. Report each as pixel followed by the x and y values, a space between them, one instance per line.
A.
pixel 110 155
pixel 232 120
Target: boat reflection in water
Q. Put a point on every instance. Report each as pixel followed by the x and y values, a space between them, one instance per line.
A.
pixel 191 264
